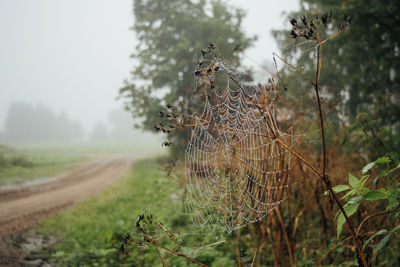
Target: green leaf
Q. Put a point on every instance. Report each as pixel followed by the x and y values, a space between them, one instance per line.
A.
pixel 396 228
pixel 393 202
pixel 375 195
pixel 367 167
pixel 380 232
pixel 395 214
pixel 355 200
pixel 340 188
pixel 383 242
pixel 383 160
pixel 353 181
pixel 340 223
pixel 395 168
pixel 351 209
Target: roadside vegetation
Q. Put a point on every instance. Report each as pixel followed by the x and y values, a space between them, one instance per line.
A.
pixel 334 90
pixel 92 232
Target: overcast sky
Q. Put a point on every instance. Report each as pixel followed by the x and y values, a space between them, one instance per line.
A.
pixel 73 55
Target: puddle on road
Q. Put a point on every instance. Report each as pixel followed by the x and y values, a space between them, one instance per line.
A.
pixel 22 184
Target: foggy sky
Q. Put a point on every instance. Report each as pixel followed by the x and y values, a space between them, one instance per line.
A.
pixel 73 55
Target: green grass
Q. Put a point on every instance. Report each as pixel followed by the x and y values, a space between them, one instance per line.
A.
pixel 91 232
pixel 43 160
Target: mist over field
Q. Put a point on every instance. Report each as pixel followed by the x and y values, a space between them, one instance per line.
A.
pixel 63 63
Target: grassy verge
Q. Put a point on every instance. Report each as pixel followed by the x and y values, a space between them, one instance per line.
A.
pixel 91 232
pixel 27 162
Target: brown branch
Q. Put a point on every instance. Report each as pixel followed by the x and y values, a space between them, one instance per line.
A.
pixel 254 257
pixel 321 119
pixel 285 235
pixel 324 177
pixel 294 68
pixel 237 250
pixel 173 252
pixel 372 216
pixel 161 258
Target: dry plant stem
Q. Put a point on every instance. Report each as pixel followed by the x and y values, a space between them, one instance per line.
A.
pixel 321 119
pixel 370 217
pixel 294 68
pixel 285 235
pixel 323 175
pixel 173 252
pixel 161 258
pixel 331 37
pixel 239 261
pixel 250 253
pixel 254 257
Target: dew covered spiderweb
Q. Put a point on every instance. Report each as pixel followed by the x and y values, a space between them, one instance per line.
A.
pixel 236 171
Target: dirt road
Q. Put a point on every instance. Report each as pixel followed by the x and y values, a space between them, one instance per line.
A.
pixel 21 208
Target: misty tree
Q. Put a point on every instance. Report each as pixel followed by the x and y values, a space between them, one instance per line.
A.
pixel 28 123
pixel 360 78
pixel 171 35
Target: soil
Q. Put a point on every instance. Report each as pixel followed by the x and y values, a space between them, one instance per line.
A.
pixel 23 207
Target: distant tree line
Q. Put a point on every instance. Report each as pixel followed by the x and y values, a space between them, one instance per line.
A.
pixel 26 122
pixel 37 123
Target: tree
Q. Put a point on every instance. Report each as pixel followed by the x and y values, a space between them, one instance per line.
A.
pixel 360 79
pixel 171 34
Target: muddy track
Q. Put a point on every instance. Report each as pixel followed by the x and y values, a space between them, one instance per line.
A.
pixel 21 208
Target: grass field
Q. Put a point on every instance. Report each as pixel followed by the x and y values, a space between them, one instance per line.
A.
pixel 92 232
pixel 28 162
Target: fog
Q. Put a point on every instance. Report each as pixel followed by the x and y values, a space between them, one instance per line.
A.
pixel 71 57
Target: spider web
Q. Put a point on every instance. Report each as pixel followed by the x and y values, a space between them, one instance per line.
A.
pixel 236 171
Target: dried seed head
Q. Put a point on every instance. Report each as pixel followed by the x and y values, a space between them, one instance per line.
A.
pixel 293 34
pixel 126 238
pixel 166 143
pixel 304 20
pixel 204 52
